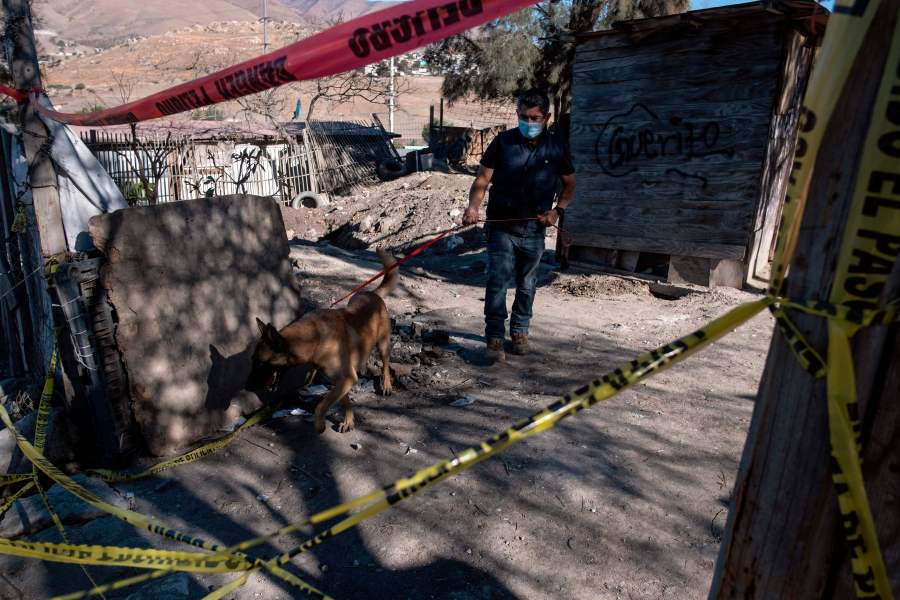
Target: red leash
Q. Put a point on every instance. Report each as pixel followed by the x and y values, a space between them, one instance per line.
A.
pixel 425 246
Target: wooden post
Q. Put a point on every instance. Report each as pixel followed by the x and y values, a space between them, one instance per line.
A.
pixel 44 186
pixel 784 536
pixel 310 161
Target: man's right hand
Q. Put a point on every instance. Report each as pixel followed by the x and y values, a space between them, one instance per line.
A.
pixel 470 217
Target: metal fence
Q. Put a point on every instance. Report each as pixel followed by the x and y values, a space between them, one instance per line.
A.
pixel 321 156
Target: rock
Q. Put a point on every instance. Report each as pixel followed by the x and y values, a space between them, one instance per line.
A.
pixel 371 369
pixel 57 448
pixel 463 401
pixel 455 213
pixel 401 370
pixel 439 337
pixel 314 390
pixel 9 448
pixel 29 515
pixel 290 234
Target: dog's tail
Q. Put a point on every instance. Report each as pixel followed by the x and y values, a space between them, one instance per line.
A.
pixel 391 278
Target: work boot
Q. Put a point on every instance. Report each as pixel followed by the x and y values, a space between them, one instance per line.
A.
pixel 494 351
pixel 519 343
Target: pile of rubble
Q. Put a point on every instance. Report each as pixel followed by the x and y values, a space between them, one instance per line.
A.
pixel 415 351
pixel 397 215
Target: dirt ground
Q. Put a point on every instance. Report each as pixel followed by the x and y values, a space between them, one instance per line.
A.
pixel 626 500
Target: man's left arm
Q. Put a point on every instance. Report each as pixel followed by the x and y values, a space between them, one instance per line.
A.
pixel 551 217
pixel 568 190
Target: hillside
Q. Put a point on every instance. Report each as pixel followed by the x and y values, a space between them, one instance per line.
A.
pixel 323 10
pixel 104 23
pixel 179 55
pixel 142 66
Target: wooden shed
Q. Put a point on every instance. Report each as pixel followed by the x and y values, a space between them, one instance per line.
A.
pixel 683 130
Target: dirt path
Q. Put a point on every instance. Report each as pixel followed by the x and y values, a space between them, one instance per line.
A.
pixel 627 500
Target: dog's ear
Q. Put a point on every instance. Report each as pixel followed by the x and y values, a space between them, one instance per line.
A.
pixel 274 339
pixel 261 326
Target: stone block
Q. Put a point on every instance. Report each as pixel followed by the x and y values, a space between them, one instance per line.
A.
pixel 689 269
pixel 187 281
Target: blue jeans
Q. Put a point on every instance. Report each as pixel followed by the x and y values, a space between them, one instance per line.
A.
pixel 511 258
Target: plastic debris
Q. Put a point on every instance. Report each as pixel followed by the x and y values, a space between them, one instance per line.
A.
pixel 463 401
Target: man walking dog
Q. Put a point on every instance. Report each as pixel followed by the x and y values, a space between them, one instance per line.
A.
pixel 525 166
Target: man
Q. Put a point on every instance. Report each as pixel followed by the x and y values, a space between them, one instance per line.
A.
pixel 525 166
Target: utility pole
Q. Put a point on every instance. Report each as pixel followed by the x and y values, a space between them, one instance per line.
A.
pixel 265 23
pixel 391 100
pixel 42 174
pixel 785 536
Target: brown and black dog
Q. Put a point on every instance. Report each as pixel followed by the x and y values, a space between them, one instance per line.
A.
pixel 337 342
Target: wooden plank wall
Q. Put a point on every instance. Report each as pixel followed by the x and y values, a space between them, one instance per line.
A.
pixel 779 159
pixel 669 135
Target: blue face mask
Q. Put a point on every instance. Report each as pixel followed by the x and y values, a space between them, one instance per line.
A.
pixel 530 130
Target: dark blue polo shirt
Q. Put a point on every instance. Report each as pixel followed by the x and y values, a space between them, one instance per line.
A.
pixel 526 178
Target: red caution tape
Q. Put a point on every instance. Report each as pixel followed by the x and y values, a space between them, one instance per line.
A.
pixel 347 46
pixel 14 94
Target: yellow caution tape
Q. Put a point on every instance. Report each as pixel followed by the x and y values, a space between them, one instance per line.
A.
pixel 4 506
pixel 116 556
pixel 378 500
pixel 40 436
pixel 43 413
pixel 863 317
pixel 584 397
pixel 843 40
pixel 133 518
pixel 809 357
pixel 40 429
pixel 136 519
pixel 259 416
pixel 188 457
pixel 11 478
pixel 811 361
pixel 869 253
pixel 116 585
pixel 871 246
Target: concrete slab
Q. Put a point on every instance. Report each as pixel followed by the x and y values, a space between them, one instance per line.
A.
pixel 187 281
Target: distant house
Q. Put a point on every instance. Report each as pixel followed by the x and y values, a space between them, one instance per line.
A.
pixel 682 133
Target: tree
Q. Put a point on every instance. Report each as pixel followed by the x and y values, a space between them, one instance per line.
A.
pixel 347 87
pixel 533 47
